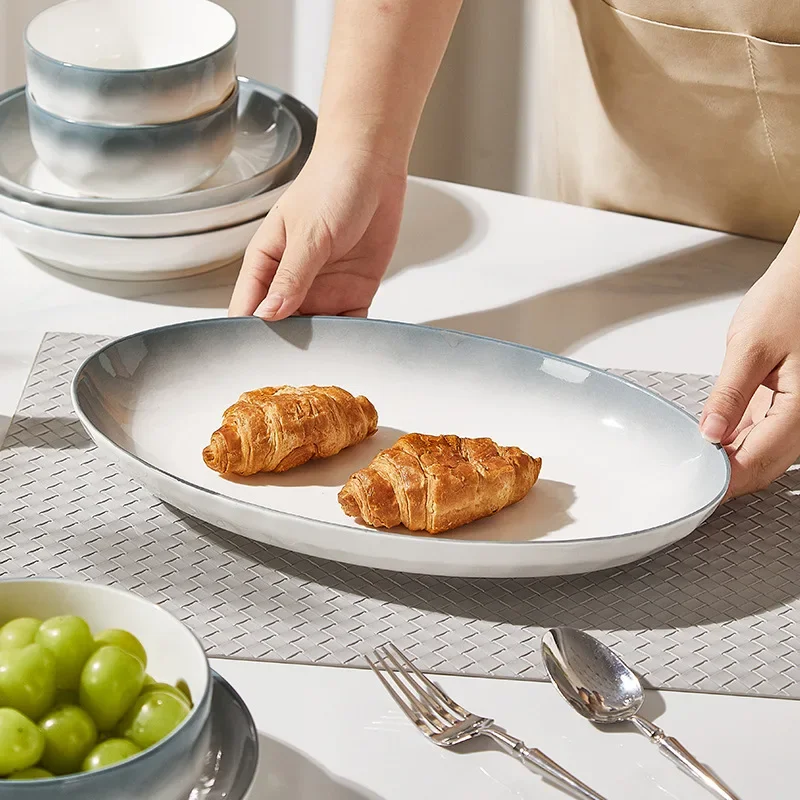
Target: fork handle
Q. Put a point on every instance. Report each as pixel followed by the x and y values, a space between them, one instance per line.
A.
pixel 536 760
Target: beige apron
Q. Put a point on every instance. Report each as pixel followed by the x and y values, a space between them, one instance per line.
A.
pixel 685 110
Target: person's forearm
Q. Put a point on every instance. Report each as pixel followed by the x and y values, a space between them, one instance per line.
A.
pixel 790 252
pixel 383 58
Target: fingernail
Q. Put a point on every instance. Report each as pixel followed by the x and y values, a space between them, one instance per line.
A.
pixel 269 306
pixel 713 428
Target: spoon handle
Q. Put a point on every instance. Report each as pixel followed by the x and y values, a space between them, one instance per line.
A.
pixel 536 760
pixel 680 756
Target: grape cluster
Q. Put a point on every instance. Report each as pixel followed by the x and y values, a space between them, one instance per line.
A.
pixel 73 702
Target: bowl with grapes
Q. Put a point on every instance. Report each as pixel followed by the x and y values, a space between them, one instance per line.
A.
pixel 102 694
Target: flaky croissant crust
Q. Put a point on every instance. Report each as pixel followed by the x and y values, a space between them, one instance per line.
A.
pixel 437 483
pixel 276 428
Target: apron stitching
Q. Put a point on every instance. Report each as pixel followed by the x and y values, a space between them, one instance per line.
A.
pixel 767 134
pixel 689 29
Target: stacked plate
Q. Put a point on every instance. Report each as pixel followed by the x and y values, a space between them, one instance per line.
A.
pixel 160 237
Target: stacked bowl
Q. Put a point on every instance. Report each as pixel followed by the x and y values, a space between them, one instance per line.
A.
pixel 135 152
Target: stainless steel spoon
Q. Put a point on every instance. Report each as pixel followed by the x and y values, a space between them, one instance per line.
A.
pixel 601 687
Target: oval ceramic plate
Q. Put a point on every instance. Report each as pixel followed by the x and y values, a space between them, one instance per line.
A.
pixel 624 473
pixel 267 139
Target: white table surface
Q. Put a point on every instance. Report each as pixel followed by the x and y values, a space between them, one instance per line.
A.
pixel 609 289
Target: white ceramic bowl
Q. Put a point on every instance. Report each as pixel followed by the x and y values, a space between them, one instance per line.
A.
pixel 624 472
pixel 274 135
pixel 143 161
pixel 117 258
pixel 166 771
pixel 131 62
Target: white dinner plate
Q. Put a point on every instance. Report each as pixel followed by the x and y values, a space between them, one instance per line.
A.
pixel 624 473
pixel 116 258
pixel 143 226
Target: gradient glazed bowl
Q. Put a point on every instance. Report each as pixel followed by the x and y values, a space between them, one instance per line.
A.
pixel 141 161
pixel 131 62
pixel 169 769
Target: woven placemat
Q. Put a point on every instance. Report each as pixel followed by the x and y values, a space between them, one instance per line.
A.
pixel 718 612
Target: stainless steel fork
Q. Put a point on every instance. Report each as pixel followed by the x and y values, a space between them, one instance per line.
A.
pixel 446 723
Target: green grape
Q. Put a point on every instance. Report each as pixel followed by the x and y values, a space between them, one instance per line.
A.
pixel 70 641
pixel 127 641
pixel 153 716
pixel 149 680
pixel 30 774
pixel 167 689
pixel 28 680
pixel 184 689
pixel 69 735
pixel 21 742
pixel 109 752
pixel 18 633
pixel 111 680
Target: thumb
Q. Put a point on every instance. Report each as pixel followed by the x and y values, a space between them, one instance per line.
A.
pixel 303 258
pixel 743 370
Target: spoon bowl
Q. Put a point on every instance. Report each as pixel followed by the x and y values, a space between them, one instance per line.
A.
pixel 591 677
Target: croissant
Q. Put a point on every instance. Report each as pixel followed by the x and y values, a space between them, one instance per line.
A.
pixel 437 483
pixel 277 428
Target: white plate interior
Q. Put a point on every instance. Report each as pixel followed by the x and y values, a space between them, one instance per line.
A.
pixel 616 459
pixel 121 35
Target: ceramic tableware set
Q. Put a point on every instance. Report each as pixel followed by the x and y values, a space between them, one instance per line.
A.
pixel 135 151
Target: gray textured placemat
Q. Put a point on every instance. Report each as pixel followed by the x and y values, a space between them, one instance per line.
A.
pixel 718 612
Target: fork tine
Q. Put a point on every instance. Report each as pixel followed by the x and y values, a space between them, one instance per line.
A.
pixel 412 689
pixel 442 696
pixel 429 711
pixel 418 720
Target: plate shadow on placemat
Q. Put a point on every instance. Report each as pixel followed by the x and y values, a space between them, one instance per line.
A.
pixel 671 589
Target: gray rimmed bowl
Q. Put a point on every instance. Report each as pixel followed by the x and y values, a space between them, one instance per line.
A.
pixel 166 771
pixel 131 62
pixel 152 220
pixel 141 161
pixel 273 137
